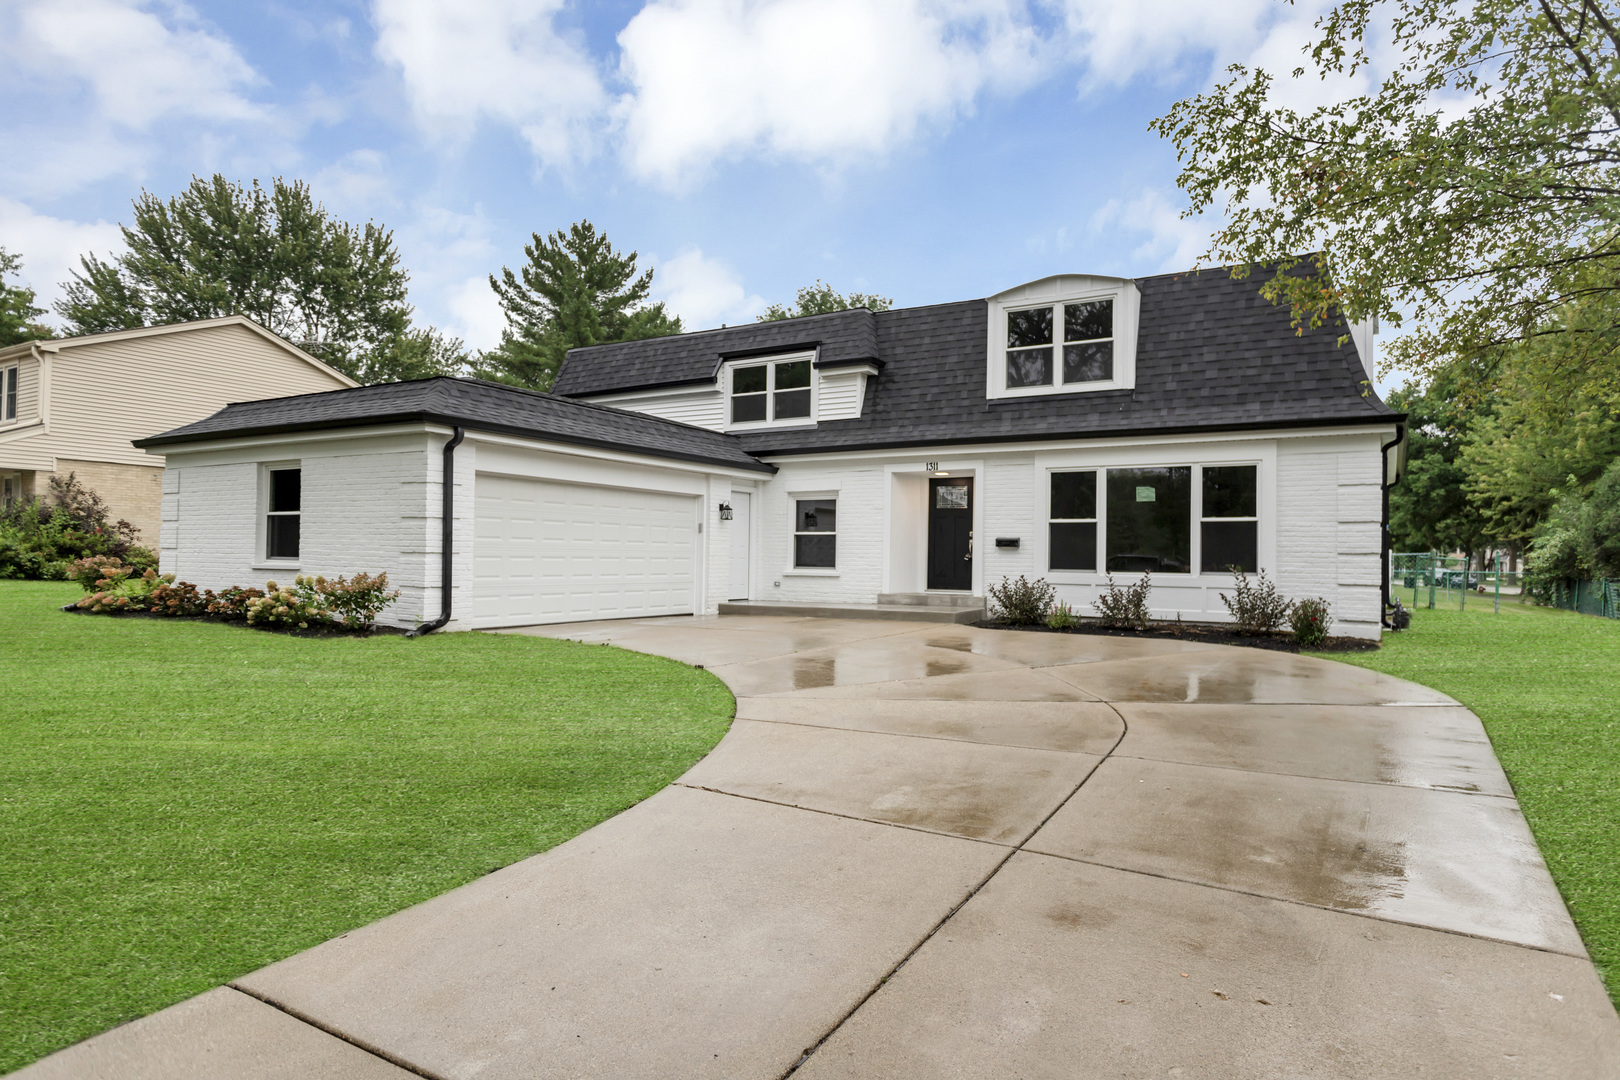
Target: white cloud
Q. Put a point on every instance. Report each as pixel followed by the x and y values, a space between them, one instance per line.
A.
pixel 476 313
pixel 1121 41
pixel 464 60
pixel 704 292
pixel 1173 242
pixel 50 247
pixel 140 64
pixel 817 80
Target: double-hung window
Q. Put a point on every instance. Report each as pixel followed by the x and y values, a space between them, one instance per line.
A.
pixel 815 533
pixel 1229 529
pixel 8 393
pixel 1087 338
pixel 284 509
pixel 1072 530
pixel 766 393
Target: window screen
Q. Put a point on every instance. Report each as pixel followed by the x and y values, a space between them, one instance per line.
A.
pixel 1150 519
pixel 1229 531
pixel 1072 530
pixel 815 532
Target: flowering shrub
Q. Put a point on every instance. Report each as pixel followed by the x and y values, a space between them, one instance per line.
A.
pixel 355 602
pixel 171 597
pixel 98 572
pixel 1022 602
pixel 1310 621
pixel 1061 617
pixel 231 603
pixel 38 539
pixel 120 591
pixel 1125 608
pixel 300 606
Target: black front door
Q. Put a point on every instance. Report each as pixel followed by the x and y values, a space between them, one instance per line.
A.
pixel 950 533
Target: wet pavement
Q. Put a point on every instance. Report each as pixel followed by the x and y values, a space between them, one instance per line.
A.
pixel 938 851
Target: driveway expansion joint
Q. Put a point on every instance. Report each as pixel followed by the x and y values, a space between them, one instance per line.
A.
pixel 336 1033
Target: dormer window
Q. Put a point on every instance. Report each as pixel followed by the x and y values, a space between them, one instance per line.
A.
pixel 1063 335
pixel 771 391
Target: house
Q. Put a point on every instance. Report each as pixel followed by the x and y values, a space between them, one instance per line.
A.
pixel 1069 428
pixel 73 405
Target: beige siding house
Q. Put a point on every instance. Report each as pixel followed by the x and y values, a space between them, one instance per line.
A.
pixel 75 404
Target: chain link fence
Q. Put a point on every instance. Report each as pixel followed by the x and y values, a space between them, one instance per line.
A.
pixel 1426 579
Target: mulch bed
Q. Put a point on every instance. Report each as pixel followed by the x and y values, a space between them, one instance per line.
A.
pixel 1209 635
pixel 272 628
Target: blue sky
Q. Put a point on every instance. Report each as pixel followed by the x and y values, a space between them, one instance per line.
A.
pixel 929 150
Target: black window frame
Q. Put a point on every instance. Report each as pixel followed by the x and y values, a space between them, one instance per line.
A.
pixel 803 537
pixel 1252 538
pixel 277 536
pixel 1069 532
pixel 772 395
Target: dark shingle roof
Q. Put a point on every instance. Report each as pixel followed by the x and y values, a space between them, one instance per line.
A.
pixel 843 336
pixel 470 403
pixel 1212 354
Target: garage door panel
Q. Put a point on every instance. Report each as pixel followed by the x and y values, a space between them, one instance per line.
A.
pixel 553 552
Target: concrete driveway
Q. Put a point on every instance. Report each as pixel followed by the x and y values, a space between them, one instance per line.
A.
pixel 930 851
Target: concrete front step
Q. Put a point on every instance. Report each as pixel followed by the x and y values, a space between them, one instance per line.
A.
pixel 932 599
pixel 894 612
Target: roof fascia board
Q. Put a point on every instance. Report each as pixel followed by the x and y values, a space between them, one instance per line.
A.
pixel 1222 433
pixel 602 454
pixel 157 442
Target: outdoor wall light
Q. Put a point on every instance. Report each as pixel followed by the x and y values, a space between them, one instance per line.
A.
pixel 725 511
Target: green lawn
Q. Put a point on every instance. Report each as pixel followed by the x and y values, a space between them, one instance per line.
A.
pixel 182 802
pixel 1547 685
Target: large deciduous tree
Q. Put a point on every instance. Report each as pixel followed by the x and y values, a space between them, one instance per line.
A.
pixel 18 315
pixel 1472 189
pixel 218 248
pixel 575 290
pixel 1430 509
pixel 821 298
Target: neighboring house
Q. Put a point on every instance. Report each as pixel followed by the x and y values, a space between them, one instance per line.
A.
pixel 73 405
pixel 1066 429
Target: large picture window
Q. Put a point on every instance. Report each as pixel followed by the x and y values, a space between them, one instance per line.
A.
pixel 286 499
pixel 1229 531
pixel 1150 519
pixel 764 393
pixel 1072 530
pixel 815 533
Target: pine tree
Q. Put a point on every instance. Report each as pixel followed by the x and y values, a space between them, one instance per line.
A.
pixel 575 290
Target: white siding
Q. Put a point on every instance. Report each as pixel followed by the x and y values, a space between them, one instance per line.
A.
pixel 858 577
pixel 703 408
pixel 841 395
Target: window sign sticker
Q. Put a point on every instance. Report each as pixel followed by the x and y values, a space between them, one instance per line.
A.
pixel 1145 494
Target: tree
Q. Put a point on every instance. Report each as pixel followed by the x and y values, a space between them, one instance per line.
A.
pixel 1473 189
pixel 1429 509
pixel 820 298
pixel 414 354
pixel 218 248
pixel 17 310
pixel 575 290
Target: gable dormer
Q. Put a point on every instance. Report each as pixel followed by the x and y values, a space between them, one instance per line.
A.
pixel 1066 334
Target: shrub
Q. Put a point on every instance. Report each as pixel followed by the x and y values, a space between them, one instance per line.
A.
pixel 355 602
pixel 171 597
pixel 38 538
pixel 1125 608
pixel 1061 617
pixel 231 603
pixel 1310 620
pixel 1256 608
pixel 1600 524
pixel 298 606
pixel 1022 602
pixel 98 572
pixel 122 591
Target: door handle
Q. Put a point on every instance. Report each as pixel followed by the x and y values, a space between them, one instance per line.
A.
pixel 969 556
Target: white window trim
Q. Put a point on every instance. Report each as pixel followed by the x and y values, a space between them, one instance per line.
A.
pixel 261 557
pixel 770 422
pixel 1265 505
pixel 10 393
pixel 1054 292
pixel 1099 479
pixel 793 569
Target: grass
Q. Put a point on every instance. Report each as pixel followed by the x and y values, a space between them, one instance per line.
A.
pixel 1546 683
pixel 183 802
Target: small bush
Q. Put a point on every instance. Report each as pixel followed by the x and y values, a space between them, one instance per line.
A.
pixel 231 603
pixel 98 572
pixel 355 602
pixel 1022 602
pixel 1256 608
pixel 298 606
pixel 38 539
pixel 1125 608
pixel 172 597
pixel 1061 617
pixel 1310 620
pixel 120 590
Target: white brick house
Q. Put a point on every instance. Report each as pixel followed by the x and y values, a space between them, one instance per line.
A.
pixel 1067 429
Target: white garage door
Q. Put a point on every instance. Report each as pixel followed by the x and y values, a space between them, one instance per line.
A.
pixel 552 552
